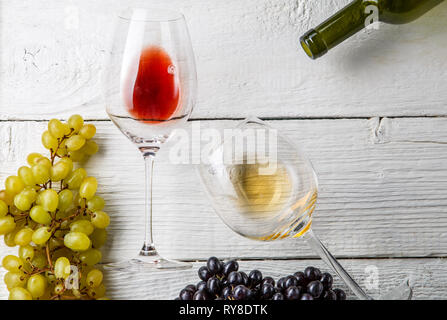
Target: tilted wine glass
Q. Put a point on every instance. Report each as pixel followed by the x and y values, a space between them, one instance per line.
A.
pixel 150 90
pixel 264 188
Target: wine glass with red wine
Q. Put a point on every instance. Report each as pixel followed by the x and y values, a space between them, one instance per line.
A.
pixel 150 87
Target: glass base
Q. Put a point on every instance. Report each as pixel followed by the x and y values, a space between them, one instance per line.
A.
pixel 401 292
pixel 147 260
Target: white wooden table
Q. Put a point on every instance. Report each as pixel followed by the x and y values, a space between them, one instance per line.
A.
pixel 370 115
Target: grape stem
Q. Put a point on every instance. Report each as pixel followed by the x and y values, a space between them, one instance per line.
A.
pixel 55 225
pixel 54 153
pixel 50 262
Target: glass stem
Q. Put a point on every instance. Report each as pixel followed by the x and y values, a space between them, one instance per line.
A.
pixel 327 257
pixel 148 247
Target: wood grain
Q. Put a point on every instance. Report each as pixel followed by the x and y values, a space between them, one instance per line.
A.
pixel 382 173
pixel 425 276
pixel 382 190
pixel 248 60
pixel 376 276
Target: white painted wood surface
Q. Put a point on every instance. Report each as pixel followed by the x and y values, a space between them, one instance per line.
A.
pixel 383 181
pixel 248 58
pixel 383 186
pixel 426 276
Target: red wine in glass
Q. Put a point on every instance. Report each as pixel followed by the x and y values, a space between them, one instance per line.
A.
pixel 150 91
pixel 156 91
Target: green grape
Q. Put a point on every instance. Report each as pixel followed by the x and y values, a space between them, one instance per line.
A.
pixel 14 280
pixel 90 257
pixel 59 288
pixel 41 173
pixel 49 200
pixel 64 214
pixel 19 293
pixel 78 201
pixel 100 219
pixel 76 156
pixel 75 122
pixel 26 253
pixel 68 162
pixel 15 211
pixel 62 151
pixel 33 157
pixel 90 148
pixel 88 188
pixel 40 261
pixel 62 268
pixel 27 268
pixel 79 212
pixel 61 233
pixel 30 192
pixel 54 242
pixel 26 174
pixel 63 252
pixel 40 215
pixel 49 141
pixel 23 201
pixel 64 225
pixel 50 277
pixel 41 235
pixel 75 142
pixel 59 171
pixel 6 197
pixel 24 237
pixel 14 185
pixel 47 295
pixel 77 241
pixel 3 209
pixel 83 226
pixel 97 292
pixel 75 178
pixel 44 161
pixel 9 238
pixel 67 129
pixel 76 293
pixel 96 204
pixel 7 224
pixel 56 128
pixel 65 199
pixel 94 278
pixel 12 263
pixel 98 238
pixel 88 131
pixel 38 199
pixel 36 285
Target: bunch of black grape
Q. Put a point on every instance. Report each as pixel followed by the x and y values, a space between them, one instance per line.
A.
pixel 224 281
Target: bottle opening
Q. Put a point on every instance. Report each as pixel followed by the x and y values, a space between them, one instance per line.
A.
pixel 313 44
pixel 306 49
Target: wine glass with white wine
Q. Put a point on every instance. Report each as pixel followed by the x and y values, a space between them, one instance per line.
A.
pixel 264 188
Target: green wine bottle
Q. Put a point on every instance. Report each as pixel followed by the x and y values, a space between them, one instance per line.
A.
pixel 356 16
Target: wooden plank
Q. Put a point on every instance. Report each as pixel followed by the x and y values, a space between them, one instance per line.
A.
pixel 382 191
pixel 248 59
pixel 376 276
pixel 424 275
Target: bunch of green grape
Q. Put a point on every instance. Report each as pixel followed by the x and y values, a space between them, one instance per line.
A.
pixel 51 211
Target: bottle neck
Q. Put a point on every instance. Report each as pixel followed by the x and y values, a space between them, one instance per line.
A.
pixel 342 25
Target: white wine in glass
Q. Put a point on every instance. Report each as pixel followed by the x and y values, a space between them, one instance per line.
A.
pixel 269 191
